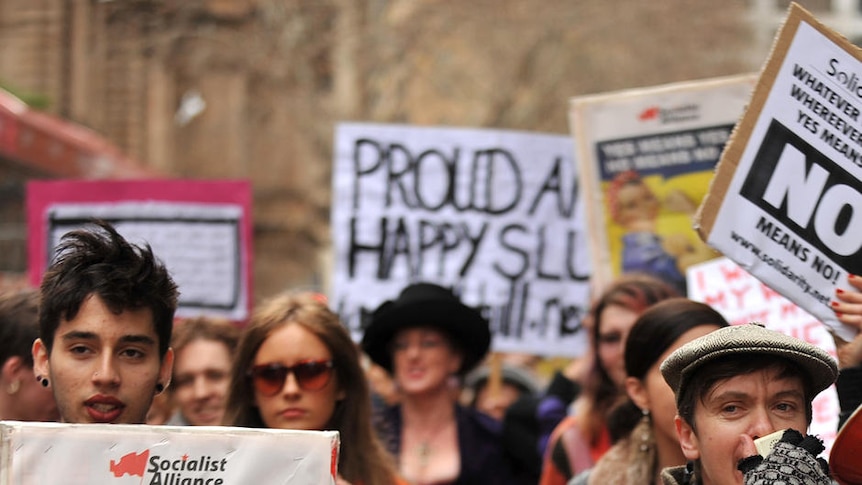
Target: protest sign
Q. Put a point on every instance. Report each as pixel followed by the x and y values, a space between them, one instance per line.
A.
pixel 742 298
pixel 646 157
pixel 201 230
pixel 493 214
pixel 786 200
pixel 117 454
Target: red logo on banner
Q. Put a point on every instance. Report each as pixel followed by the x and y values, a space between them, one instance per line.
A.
pixel 131 464
pixel 649 114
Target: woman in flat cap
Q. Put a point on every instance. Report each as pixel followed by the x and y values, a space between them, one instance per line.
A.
pixel 427 339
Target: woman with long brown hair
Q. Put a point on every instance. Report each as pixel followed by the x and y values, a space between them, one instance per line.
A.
pixel 581 438
pixel 643 425
pixel 297 368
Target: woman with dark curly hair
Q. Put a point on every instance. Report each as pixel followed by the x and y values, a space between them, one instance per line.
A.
pixel 427 339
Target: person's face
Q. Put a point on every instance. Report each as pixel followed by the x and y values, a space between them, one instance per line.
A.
pixel 422 360
pixel 636 202
pixel 293 407
pixel 201 381
pixel 496 406
pixel 615 321
pixel 755 405
pixel 104 367
pixel 654 394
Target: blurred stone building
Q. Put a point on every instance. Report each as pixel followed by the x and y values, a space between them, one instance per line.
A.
pixel 253 89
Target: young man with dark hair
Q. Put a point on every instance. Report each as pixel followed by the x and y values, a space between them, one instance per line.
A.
pixel 738 384
pixel 106 319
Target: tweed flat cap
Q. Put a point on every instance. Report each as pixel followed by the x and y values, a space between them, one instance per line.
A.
pixel 748 339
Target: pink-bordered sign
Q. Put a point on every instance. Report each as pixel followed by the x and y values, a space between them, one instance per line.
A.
pixel 200 229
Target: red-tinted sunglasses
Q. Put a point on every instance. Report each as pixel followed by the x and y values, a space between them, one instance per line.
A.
pixel 269 379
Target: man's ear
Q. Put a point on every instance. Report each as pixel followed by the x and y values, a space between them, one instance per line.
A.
pixel 687 439
pixel 41 365
pixel 637 392
pixel 167 368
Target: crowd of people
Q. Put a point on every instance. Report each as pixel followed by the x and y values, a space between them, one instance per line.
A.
pixel 669 392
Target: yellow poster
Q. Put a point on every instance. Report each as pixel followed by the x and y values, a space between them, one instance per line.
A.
pixel 646 158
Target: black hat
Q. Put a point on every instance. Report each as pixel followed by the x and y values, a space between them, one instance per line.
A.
pixel 427 304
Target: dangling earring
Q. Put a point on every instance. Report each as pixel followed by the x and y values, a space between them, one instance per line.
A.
pixel 644 432
pixel 642 443
pixel 13 387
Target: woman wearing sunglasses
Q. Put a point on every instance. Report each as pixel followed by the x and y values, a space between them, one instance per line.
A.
pixel 297 368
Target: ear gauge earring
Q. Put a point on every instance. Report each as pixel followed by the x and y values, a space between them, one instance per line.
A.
pixel 160 388
pixel 43 381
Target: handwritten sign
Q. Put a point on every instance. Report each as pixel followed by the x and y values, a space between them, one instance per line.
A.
pixel 200 230
pixel 646 157
pixel 786 202
pixel 742 298
pixel 493 214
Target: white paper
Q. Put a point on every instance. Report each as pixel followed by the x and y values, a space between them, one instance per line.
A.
pixel 495 214
pixel 86 454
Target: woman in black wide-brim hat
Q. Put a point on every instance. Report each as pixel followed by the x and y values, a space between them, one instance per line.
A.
pixel 426 339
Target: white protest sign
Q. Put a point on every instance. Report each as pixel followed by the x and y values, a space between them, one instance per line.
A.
pixel 116 454
pixel 198 243
pixel 646 157
pixel 494 214
pixel 200 230
pixel 742 298
pixel 786 202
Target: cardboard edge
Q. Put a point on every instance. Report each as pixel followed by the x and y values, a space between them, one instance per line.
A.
pixel 602 273
pixel 708 211
pixel 705 217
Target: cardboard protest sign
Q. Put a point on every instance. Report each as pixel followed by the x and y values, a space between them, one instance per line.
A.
pixel 646 157
pixel 742 298
pixel 201 230
pixel 786 202
pixel 117 454
pixel 494 214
